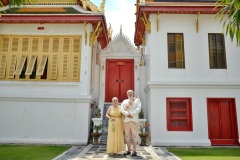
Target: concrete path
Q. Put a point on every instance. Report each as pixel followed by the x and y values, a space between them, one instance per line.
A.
pixel 98 152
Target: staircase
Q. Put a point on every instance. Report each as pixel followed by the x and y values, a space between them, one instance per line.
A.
pixel 105 123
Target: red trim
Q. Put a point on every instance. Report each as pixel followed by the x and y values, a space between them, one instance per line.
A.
pixel 224 142
pixel 180 9
pixel 48 18
pixel 169 9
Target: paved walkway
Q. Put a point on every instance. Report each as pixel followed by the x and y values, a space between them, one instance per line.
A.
pixel 98 152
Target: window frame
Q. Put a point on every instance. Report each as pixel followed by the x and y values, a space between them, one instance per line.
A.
pixel 224 51
pixel 175 50
pixel 24 55
pixel 188 111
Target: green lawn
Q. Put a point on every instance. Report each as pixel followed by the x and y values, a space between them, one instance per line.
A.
pixel 206 153
pixel 30 152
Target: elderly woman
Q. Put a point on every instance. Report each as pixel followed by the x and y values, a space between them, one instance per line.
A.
pixel 115 141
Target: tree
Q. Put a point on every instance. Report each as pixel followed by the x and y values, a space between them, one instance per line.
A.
pixel 230 16
pixel 17 2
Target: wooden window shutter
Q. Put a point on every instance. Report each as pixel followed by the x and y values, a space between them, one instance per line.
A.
pixel 75 67
pixel 15 45
pixel 179 114
pixel 25 45
pixel 66 45
pixel 55 45
pixel 75 62
pixel 171 51
pixel 45 46
pixel 35 45
pixel 179 51
pixel 31 64
pixel 65 64
pixel 212 50
pixel 3 65
pixel 20 64
pixel 12 66
pixel 42 64
pixel 54 67
pixel 220 51
pixel 217 51
pixel 5 44
pixel 76 45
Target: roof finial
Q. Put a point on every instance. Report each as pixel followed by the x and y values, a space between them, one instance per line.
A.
pixel 121 29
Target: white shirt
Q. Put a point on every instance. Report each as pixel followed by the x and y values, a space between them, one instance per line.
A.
pixel 134 110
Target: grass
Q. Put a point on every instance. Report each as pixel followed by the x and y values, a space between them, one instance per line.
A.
pixel 30 152
pixel 206 153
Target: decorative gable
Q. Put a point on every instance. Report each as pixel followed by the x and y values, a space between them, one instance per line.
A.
pixel 120 44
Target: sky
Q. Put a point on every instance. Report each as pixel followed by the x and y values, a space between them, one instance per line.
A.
pixel 120 12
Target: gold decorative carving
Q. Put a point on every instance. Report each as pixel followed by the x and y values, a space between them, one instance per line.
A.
pixel 110 30
pixel 197 23
pixel 56 1
pixel 157 21
pixel 94 35
pixel 146 22
pixel 49 2
pixel 102 6
pixel 142 38
pixel 85 31
pixel 90 5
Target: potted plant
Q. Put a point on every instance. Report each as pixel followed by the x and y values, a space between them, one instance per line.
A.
pixel 142 134
pixel 96 134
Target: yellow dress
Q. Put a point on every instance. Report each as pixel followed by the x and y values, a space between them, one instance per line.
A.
pixel 115 140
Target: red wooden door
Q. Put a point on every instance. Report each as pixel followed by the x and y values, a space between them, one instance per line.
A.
pixel 119 78
pixel 222 122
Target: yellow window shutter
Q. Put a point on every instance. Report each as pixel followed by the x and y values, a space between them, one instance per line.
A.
pixel 179 51
pixel 35 45
pixel 46 45
pixel 55 45
pixel 15 44
pixel 212 50
pixel 3 65
pixel 75 67
pixel 54 67
pixel 31 64
pixel 25 45
pixel 12 66
pixel 5 44
pixel 65 67
pixel 76 45
pixel 20 64
pixel 42 64
pixel 66 45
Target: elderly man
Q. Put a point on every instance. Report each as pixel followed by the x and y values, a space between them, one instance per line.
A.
pixel 130 108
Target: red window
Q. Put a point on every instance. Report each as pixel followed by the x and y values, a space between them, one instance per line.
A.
pixel 179 114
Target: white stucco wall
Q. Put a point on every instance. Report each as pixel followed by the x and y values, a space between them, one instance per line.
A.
pixel 195 50
pixel 47 112
pixel 197 81
pixel 44 121
pixel 198 95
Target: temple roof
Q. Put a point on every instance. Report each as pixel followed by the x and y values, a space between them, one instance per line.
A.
pixel 181 0
pixel 58 11
pixel 144 9
pixel 42 10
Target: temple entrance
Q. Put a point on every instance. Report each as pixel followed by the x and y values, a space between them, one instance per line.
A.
pixel 119 78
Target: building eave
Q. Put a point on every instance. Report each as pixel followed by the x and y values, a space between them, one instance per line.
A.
pixel 60 19
pixel 169 8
